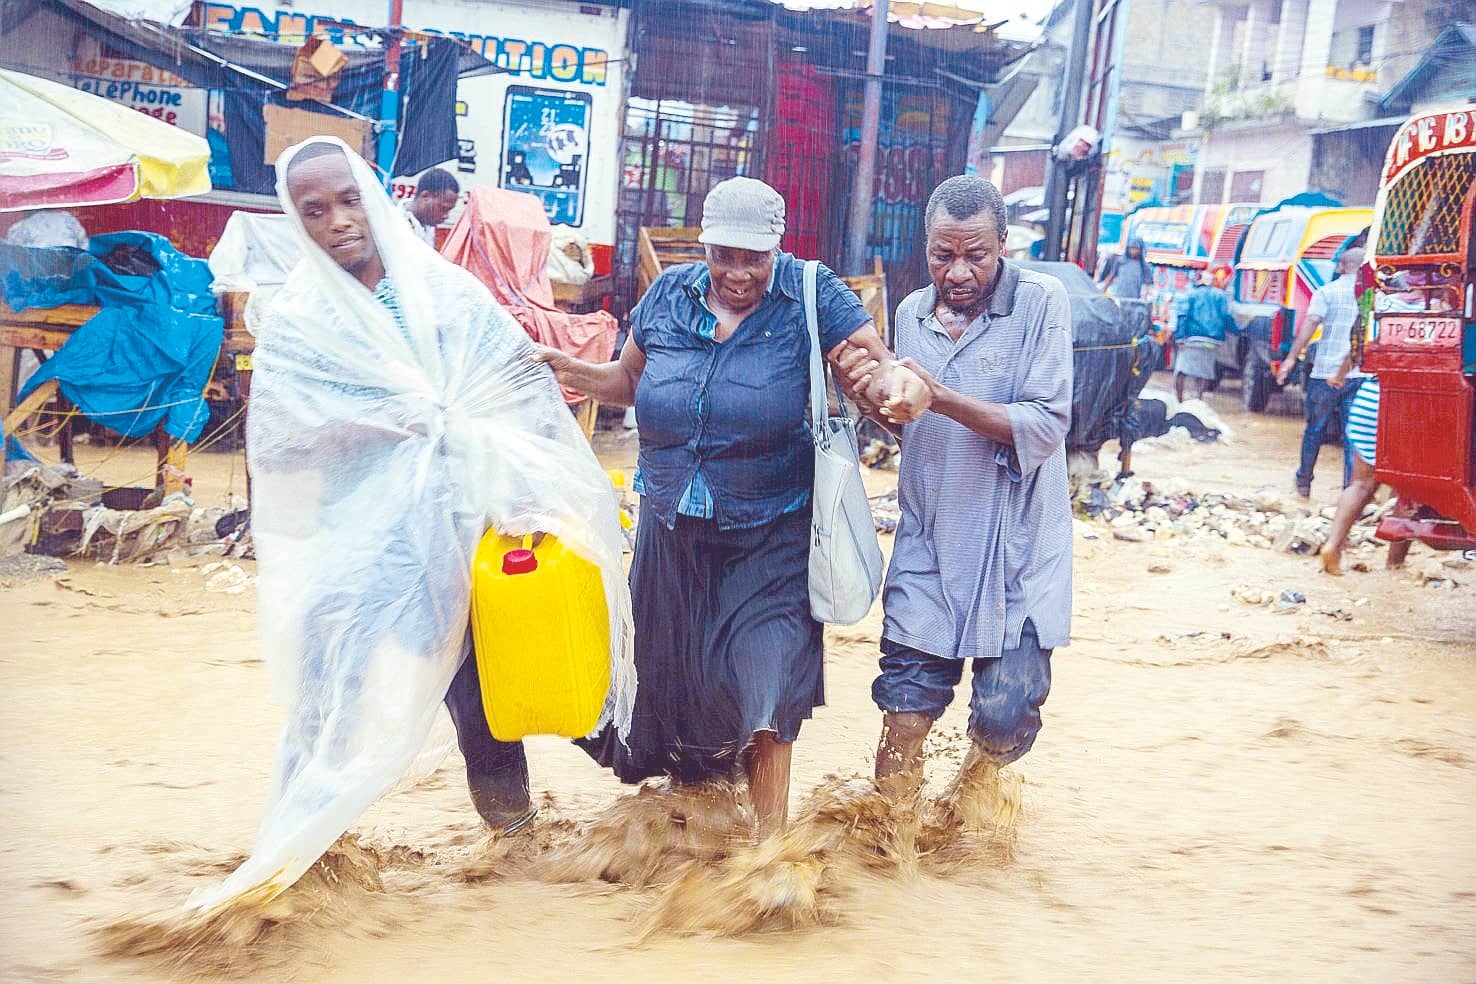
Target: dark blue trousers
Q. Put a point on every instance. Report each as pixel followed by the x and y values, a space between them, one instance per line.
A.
pixel 483 753
pixel 1323 404
pixel 1004 706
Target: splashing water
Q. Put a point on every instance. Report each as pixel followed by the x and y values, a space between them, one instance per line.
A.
pixel 229 938
pixel 693 846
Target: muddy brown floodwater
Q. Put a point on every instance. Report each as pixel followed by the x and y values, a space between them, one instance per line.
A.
pixel 1220 793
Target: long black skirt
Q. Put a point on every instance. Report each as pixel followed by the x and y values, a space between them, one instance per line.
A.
pixel 724 646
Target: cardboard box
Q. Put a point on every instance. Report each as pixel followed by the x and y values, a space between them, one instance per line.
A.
pixel 324 57
pixel 286 126
pixel 315 71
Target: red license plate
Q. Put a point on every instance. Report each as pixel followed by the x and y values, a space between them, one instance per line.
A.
pixel 1414 329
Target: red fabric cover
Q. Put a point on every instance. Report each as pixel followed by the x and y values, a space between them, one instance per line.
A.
pixel 503 239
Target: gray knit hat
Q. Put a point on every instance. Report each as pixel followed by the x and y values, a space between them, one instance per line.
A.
pixel 743 213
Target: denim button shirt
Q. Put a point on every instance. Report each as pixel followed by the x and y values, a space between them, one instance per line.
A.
pixel 724 426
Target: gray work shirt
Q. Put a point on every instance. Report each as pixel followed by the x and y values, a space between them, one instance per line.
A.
pixel 984 538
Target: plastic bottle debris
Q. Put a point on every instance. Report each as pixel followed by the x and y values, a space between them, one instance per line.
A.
pixel 1289 601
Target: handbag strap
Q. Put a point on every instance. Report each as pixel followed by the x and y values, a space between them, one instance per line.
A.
pixel 819 401
pixel 818 409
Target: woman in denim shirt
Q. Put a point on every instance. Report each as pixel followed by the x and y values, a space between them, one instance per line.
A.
pixel 717 365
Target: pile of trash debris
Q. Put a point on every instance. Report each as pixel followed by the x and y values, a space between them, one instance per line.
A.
pixel 53 511
pixel 885 512
pixel 1139 511
pixel 1280 602
pixel 880 453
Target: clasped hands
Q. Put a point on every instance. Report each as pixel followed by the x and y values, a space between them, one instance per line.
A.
pixel 899 393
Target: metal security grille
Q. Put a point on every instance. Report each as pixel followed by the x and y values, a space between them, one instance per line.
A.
pixel 675 151
pixel 700 90
pixel 722 87
pixel 1422 213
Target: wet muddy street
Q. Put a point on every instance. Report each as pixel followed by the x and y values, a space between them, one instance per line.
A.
pixel 1222 791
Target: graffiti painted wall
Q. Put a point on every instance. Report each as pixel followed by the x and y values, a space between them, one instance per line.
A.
pixel 912 157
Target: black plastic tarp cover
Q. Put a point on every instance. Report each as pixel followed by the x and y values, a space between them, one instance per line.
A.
pixel 1113 355
pixel 428 115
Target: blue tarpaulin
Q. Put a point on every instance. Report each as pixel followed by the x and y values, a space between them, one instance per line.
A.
pixel 42 277
pixel 145 358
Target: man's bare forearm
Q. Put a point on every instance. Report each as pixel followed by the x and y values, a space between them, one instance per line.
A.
pixel 1304 338
pixel 991 420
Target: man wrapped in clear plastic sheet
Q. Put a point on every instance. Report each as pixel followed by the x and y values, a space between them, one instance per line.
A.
pixel 396 417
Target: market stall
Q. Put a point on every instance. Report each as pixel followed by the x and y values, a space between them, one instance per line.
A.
pixel 69 149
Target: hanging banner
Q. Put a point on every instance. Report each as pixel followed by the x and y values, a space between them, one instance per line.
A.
pixel 1430 135
pixel 542 45
pixel 184 108
pixel 149 90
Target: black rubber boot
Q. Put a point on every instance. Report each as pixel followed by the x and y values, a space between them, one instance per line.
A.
pixel 502 798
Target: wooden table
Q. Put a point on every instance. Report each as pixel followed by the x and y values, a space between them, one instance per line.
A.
pixel 47 330
pixel 586 297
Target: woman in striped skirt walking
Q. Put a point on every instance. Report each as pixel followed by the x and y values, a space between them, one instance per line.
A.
pixel 1361 433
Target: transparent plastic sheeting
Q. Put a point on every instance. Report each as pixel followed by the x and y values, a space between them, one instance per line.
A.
pixel 255 256
pixel 255 251
pixel 379 458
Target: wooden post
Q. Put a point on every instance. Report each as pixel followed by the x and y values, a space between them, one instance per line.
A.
pixel 9 356
pixel 38 399
pixel 858 227
pixel 589 413
pixel 171 456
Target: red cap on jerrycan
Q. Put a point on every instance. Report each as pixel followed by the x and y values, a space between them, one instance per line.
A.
pixel 519 562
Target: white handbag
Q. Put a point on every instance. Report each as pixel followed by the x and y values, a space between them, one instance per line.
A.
pixel 845 558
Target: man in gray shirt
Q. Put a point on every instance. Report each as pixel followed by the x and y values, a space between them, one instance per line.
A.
pixel 1127 275
pixel 981 567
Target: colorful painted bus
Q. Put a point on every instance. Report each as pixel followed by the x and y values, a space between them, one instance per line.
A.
pixel 1165 234
pixel 1206 237
pixel 1424 247
pixel 1286 254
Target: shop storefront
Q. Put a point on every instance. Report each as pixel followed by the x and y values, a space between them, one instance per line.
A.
pixel 230 88
pixel 545 124
pixel 752 89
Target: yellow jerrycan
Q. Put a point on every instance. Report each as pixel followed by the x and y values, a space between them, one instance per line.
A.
pixel 541 636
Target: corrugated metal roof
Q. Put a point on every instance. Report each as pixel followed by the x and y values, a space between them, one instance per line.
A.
pixel 1452 49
